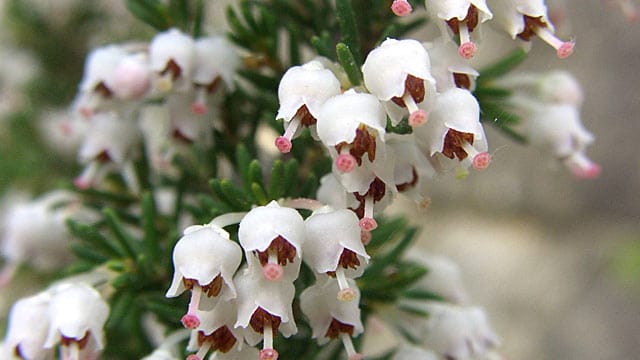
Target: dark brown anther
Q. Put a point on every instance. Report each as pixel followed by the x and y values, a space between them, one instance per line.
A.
pixel 414 180
pixel 82 343
pixel 348 259
pixel 211 289
pixel 336 328
pixel 453 142
pixel 471 20
pixel 261 318
pixel 103 157
pixel 103 90
pixel 415 87
pixel 306 119
pixel 213 86
pixel 377 189
pixel 221 340
pixel 178 135
pixel 173 68
pixel 530 26
pixel 463 81
pixel 18 353
pixel 285 251
pixel 363 143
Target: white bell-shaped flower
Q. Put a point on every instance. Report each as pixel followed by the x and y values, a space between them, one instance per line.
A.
pixel 524 19
pixel 34 232
pixel 302 92
pixel 352 125
pixel 99 69
pixel 273 236
pixel 410 167
pixel 331 318
pixel 332 193
pixel 557 129
pixel 455 130
pixel 217 331
pixel 334 246
pixel 109 143
pixel 410 352
pixel 172 56
pixel 28 328
pixel 458 333
pixel 205 260
pixel 77 315
pixel 187 126
pixel 398 72
pixel 215 61
pixel 264 308
pixel 462 17
pixel 449 69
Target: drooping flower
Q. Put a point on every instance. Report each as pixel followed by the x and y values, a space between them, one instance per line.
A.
pixel 410 167
pixel 330 318
pixel 273 235
pixel 172 58
pixel 264 309
pixel 559 87
pixel 525 18
pixel 334 247
pixel 443 277
pixel 352 126
pixel 205 260
pixel 398 72
pixel 449 69
pixel 557 129
pixel 28 327
pixel 455 130
pixel 216 332
pixel 302 91
pixel 77 316
pixel 215 61
pixel 462 17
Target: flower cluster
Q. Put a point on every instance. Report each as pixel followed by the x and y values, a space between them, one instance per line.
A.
pixel 520 19
pixel 117 104
pixel 70 315
pixel 234 306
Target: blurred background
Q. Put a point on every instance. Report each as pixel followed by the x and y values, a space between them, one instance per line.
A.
pixel 554 260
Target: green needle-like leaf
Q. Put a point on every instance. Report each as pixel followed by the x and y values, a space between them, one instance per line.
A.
pixel 349 29
pixel 276 182
pixel 126 240
pixel 348 62
pixel 150 240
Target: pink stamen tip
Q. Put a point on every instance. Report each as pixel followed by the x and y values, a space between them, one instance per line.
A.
pixel 590 172
pixel 365 237
pixel 272 272
pixel 481 161
pixel 346 163
pixel 418 118
pixel 193 357
pixel 368 224
pixel 283 144
pixel 467 50
pixel 633 17
pixel 268 354
pixel 356 357
pixel 81 184
pixel 86 112
pixel 401 7
pixel 565 50
pixel 347 294
pixel 190 321
pixel 199 108
pixel 66 128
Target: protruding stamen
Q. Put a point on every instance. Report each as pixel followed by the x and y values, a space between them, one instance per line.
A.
pixel 417 116
pixel 582 167
pixel 480 160
pixel 564 49
pixel 191 319
pixel 85 179
pixel 346 293
pixel 268 352
pixel 283 143
pixel 401 7
pixel 199 106
pixel 467 48
pixel 345 162
pixel 348 346
pixel 368 223
pixel 272 270
pixel 74 351
pixel 165 82
pixel 202 352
